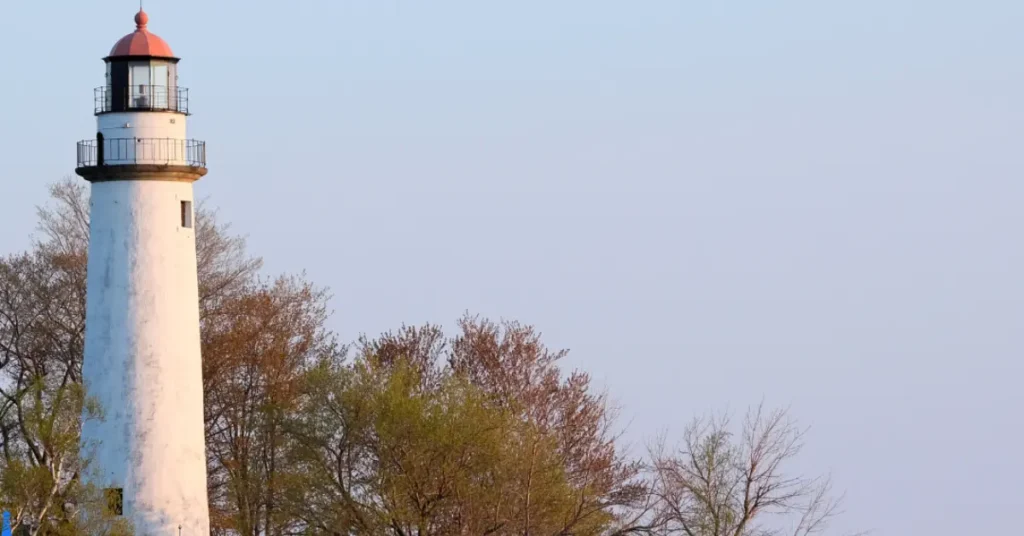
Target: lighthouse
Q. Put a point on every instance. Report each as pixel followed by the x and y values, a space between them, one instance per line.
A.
pixel 142 353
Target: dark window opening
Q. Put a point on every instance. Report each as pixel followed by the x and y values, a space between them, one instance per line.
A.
pixel 115 501
pixel 99 148
pixel 186 214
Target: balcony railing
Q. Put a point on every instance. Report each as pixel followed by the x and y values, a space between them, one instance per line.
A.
pixel 144 98
pixel 132 151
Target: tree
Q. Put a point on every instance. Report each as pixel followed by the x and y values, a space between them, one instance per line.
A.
pixel 510 362
pixel 42 400
pixel 720 484
pixel 257 343
pixel 41 337
pixel 381 451
pixel 475 434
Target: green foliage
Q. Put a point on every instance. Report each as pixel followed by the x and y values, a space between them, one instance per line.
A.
pixel 42 487
pixel 393 455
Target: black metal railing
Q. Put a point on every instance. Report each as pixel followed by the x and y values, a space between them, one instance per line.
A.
pixel 129 151
pixel 142 97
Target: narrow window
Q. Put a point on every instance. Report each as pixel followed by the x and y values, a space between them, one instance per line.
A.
pixel 99 148
pixel 186 214
pixel 115 501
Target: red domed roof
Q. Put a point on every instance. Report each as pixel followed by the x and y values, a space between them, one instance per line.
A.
pixel 141 42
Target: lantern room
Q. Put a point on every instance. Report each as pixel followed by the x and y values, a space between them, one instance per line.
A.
pixel 140 111
pixel 142 74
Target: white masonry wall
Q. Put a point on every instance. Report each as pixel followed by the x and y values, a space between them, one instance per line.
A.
pixel 143 138
pixel 142 354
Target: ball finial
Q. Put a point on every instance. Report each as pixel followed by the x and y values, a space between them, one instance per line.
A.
pixel 141 19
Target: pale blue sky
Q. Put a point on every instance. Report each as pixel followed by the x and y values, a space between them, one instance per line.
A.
pixel 815 203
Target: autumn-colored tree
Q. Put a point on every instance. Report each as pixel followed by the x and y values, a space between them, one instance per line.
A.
pixel 257 344
pixel 381 451
pixel 552 465
pixel 511 363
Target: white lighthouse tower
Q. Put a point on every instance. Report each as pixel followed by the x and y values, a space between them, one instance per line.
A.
pixel 142 355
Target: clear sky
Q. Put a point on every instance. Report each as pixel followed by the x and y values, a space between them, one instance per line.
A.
pixel 816 203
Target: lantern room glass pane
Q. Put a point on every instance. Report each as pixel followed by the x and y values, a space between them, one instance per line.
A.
pixel 108 94
pixel 140 83
pixel 172 87
pixel 159 80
